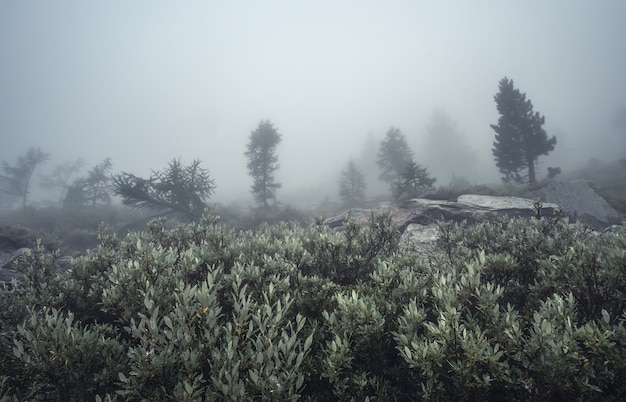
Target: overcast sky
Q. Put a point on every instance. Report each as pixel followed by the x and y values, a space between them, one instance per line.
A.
pixel 143 82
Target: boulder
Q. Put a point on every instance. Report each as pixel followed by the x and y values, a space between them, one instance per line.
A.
pixel 579 201
pixel 614 229
pixel 418 218
pixel 471 208
pixel 416 238
pixel 8 257
pixel 7 273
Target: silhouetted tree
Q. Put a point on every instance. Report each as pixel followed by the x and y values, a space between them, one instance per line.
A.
pixel 180 189
pixel 75 196
pixel 352 185
pixel 61 175
pixel 413 180
pixel 520 138
pixel 553 172
pixel 98 183
pixel 17 178
pixel 394 154
pixel 91 190
pixel 263 162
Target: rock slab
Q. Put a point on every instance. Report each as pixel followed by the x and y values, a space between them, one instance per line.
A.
pixel 418 218
pixel 579 201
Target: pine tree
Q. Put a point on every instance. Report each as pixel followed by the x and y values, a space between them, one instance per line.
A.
pixel 263 162
pixel 413 180
pixel 180 189
pixel 18 177
pixel 394 154
pixel 520 138
pixel 91 190
pixel 98 183
pixel 352 185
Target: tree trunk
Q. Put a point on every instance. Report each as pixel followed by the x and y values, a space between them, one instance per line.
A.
pixel 531 172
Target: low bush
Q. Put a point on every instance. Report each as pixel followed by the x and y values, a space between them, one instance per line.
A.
pixel 504 310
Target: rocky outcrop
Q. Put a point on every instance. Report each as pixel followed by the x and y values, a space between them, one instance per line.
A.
pixel 8 258
pixel 418 218
pixel 471 208
pixel 579 201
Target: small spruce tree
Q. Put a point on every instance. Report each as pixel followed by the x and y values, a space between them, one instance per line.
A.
pixel 413 180
pixel 352 185
pixel 91 190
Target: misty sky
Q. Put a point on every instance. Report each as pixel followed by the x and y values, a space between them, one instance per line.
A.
pixel 143 82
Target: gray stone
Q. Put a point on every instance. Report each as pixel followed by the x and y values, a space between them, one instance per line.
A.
pixel 471 208
pixel 579 201
pixel 508 206
pixel 614 229
pixel 7 258
pixel 417 238
pixel 417 219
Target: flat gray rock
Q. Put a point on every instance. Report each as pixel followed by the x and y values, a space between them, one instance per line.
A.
pixel 507 205
pixel 416 238
pixel 418 218
pixel 471 208
pixel 7 258
pixel 579 201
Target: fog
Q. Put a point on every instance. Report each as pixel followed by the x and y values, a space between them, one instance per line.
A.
pixel 143 82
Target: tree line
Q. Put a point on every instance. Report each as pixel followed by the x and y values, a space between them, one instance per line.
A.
pixel 185 189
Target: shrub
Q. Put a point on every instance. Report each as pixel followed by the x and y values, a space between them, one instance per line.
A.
pixel 79 362
pixel 505 310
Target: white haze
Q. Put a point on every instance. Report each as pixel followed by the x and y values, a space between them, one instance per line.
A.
pixel 143 82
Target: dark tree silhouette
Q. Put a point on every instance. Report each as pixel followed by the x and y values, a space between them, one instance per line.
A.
pixel 394 154
pixel 179 189
pixel 413 180
pixel 263 162
pixel 352 185
pixel 98 183
pixel 91 190
pixel 520 138
pixel 17 177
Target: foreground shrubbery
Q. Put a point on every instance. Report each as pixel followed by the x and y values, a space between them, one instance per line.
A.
pixel 509 310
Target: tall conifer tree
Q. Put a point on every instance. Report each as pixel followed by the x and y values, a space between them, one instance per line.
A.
pixel 394 154
pixel 520 138
pixel 263 162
